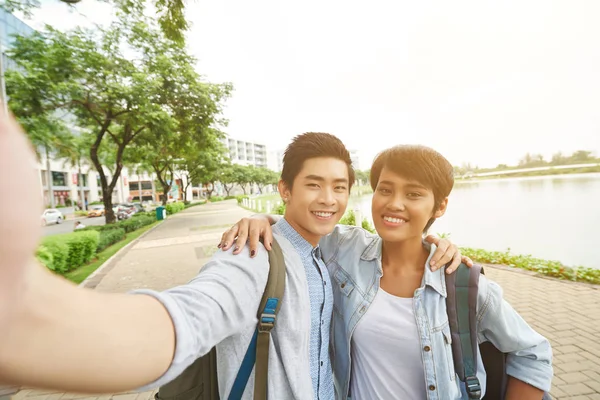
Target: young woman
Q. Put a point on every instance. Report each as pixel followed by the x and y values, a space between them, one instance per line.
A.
pixel 391 337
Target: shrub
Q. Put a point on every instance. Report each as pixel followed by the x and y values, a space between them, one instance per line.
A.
pixel 279 209
pixel 173 208
pixel 69 251
pixel 110 237
pixel 214 199
pixel 44 256
pixel 130 225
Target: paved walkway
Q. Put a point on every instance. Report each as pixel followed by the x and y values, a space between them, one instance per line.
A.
pixel 566 313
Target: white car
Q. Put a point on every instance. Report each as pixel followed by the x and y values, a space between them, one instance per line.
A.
pixel 52 216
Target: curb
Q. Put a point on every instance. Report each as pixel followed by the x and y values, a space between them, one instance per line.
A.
pixel 108 264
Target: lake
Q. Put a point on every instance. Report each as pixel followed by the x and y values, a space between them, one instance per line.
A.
pixel 551 217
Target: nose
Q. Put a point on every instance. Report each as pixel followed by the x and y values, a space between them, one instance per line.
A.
pixel 396 203
pixel 327 197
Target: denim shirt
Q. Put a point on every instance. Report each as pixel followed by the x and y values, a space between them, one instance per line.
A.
pixel 353 258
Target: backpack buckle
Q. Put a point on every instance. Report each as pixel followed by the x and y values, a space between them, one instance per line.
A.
pixel 473 387
pixel 266 322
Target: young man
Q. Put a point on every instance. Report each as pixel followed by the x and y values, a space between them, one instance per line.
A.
pixel 54 334
pixel 391 333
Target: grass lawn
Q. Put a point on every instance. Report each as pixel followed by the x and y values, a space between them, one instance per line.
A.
pixel 78 275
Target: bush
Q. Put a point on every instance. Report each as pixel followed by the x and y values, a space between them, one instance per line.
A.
pixel 130 225
pixel 240 199
pixel 173 208
pixel 99 228
pixel 214 199
pixel 93 203
pixel 110 237
pixel 63 253
pixel 230 197
pixel 80 213
pixel 279 209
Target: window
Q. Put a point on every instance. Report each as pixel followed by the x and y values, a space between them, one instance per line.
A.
pixel 133 186
pixel 146 185
pixel 58 179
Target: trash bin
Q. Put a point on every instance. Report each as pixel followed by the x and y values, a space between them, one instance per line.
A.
pixel 161 213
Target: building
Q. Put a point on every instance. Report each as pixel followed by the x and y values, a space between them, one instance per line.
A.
pixel 275 160
pixel 354 157
pixel 246 153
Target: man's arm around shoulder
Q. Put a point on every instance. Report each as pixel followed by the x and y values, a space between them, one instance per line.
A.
pixel 67 338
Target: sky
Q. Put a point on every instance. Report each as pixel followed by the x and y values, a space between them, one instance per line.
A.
pixel 482 82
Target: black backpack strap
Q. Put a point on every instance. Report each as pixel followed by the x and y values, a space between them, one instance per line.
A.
pixel 461 304
pixel 258 349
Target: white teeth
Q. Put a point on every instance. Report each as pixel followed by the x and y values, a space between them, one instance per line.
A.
pixel 394 220
pixel 323 214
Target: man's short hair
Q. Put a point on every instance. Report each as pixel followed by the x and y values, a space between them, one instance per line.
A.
pixel 313 145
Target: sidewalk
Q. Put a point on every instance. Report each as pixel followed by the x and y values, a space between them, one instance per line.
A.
pixel 566 313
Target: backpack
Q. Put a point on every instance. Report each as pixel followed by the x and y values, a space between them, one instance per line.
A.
pixel 461 306
pixel 199 381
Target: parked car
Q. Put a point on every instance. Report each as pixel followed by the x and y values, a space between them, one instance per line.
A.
pixel 125 211
pixel 96 211
pixel 52 216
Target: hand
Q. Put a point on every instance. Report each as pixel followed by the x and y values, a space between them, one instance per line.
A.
pixel 446 252
pixel 19 217
pixel 251 229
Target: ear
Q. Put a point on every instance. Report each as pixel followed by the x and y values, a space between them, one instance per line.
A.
pixel 284 191
pixel 441 209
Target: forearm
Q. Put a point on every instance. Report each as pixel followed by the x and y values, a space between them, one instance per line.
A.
pixel 519 390
pixel 67 338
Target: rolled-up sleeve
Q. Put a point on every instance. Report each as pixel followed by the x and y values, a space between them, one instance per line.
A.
pixel 219 302
pixel 529 354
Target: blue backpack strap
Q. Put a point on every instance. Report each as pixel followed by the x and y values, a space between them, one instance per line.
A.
pixel 258 349
pixel 461 304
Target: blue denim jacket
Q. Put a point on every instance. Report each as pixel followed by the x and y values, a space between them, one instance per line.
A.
pixel 353 259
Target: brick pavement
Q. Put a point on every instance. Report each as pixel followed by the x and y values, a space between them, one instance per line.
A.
pixel 567 313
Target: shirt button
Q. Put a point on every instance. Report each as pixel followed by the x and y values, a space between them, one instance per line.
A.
pixel 343 285
pixel 427 348
pixel 431 387
pixel 321 363
pixel 325 283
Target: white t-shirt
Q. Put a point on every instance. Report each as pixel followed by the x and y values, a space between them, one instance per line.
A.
pixel 386 352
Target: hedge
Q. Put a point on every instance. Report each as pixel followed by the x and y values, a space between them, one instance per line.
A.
pixel 173 208
pixel 132 224
pixel 62 253
pixel 110 237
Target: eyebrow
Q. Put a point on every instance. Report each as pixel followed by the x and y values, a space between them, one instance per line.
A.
pixel 409 185
pixel 321 179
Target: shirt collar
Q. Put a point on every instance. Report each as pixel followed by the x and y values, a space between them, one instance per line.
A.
pixel 301 245
pixel 435 280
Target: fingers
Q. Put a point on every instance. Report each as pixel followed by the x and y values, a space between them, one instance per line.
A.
pixel 229 236
pixel 467 261
pixel 439 258
pixel 456 259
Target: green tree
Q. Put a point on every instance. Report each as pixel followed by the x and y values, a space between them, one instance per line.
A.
pixel 227 177
pixel 171 17
pixel 120 101
pixel 242 176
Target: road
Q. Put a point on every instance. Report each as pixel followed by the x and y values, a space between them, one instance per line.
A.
pixel 68 225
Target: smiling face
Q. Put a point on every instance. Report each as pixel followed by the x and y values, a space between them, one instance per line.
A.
pixel 402 208
pixel 318 197
pixel 411 185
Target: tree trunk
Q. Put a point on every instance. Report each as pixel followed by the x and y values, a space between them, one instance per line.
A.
pixel 165 195
pixel 227 189
pixel 243 186
pixel 49 179
pixel 80 181
pixel 212 188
